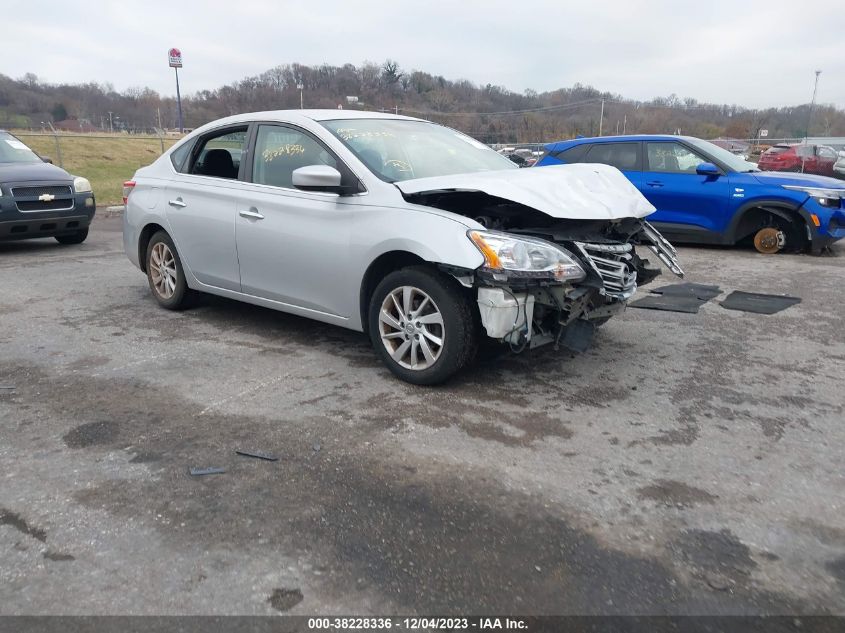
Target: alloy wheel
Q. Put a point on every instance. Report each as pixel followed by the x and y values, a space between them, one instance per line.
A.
pixel 411 328
pixel 162 267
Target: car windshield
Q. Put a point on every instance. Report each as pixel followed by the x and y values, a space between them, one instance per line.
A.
pixel 396 150
pixel 732 161
pixel 13 151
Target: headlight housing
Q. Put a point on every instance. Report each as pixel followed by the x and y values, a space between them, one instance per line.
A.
pixel 824 196
pixel 81 185
pixel 507 256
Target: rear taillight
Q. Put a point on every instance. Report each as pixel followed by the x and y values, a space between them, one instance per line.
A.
pixel 128 186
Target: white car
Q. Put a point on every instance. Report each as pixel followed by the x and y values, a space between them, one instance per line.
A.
pixel 413 232
pixel 839 165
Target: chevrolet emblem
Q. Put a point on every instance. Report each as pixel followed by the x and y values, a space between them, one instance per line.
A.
pixel 46 197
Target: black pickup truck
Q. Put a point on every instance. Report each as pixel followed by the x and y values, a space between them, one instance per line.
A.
pixel 38 199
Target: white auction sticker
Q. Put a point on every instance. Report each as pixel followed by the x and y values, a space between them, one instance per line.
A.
pixel 16 143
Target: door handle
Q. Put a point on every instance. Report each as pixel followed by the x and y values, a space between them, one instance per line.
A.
pixel 177 203
pixel 655 183
pixel 251 213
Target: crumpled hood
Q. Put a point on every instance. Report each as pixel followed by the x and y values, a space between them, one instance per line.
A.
pixel 582 191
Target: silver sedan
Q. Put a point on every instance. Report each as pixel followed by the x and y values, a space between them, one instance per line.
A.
pixel 417 234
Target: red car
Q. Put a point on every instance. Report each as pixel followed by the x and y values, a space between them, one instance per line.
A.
pixel 801 157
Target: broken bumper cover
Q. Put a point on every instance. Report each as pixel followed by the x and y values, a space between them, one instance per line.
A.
pixel 567 312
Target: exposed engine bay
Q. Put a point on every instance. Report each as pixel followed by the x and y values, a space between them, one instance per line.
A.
pixel 528 311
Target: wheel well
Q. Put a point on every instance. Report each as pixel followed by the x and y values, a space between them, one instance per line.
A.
pixel 143 241
pixel 382 266
pixel 765 215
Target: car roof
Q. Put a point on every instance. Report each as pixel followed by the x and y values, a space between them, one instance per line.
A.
pixel 301 116
pixel 559 145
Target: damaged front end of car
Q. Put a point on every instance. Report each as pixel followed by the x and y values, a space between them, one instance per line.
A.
pixel 555 284
pixel 563 253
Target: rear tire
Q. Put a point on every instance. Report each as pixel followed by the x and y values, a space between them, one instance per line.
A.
pixel 73 238
pixel 166 275
pixel 438 339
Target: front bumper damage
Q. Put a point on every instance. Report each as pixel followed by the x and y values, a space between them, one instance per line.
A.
pixel 566 314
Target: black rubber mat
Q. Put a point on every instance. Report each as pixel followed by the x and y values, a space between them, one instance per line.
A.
pixel 758 303
pixel 703 292
pixel 669 303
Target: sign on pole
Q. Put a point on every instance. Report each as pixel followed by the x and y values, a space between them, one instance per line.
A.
pixel 174 57
pixel 764 132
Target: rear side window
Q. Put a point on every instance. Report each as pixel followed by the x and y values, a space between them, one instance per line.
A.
pixel 572 154
pixel 180 155
pixel 623 156
pixel 219 155
pixel 777 149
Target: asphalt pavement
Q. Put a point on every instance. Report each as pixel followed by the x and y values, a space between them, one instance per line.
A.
pixel 686 464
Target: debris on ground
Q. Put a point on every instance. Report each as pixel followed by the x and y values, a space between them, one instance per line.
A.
pixel 285 599
pixel 703 292
pixel 758 303
pixel 258 455
pixel 669 303
pixel 316 447
pixel 198 472
pixel 686 297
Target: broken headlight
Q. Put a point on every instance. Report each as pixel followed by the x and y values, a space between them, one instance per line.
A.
pixel 825 197
pixel 507 256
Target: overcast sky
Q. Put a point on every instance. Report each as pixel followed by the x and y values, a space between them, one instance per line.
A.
pixel 751 53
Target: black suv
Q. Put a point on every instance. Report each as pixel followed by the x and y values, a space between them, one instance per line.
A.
pixel 38 199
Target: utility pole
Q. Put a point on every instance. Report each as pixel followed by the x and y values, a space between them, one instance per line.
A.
pixel 624 124
pixel 301 103
pixel 601 117
pixel 812 105
pixel 111 127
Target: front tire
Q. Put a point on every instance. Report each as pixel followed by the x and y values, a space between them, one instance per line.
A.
pixel 421 325
pixel 74 238
pixel 166 275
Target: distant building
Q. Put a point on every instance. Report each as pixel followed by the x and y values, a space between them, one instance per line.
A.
pixel 733 145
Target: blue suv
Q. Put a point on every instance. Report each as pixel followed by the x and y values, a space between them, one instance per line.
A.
pixel 706 195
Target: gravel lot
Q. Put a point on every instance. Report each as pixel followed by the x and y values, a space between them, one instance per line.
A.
pixel 686 464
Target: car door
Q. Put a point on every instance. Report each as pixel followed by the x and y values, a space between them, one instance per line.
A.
pixel 293 245
pixel 626 157
pixel 687 203
pixel 201 203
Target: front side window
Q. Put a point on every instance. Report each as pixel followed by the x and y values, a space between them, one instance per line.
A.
pixel 219 155
pixel 672 158
pixel 13 150
pixel 396 150
pixel 623 156
pixel 280 150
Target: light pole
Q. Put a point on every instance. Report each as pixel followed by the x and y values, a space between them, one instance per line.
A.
pixel 812 105
pixel 300 87
pixel 111 127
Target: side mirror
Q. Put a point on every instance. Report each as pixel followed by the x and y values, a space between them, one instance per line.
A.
pixel 46 159
pixel 317 178
pixel 708 169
